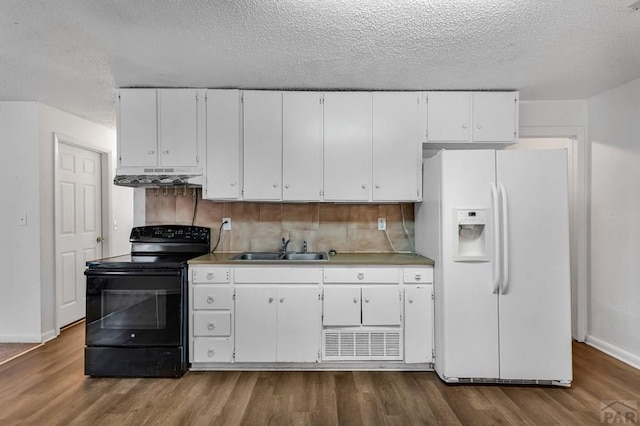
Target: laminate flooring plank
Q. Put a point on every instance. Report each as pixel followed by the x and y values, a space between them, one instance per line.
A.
pixel 233 412
pixel 348 402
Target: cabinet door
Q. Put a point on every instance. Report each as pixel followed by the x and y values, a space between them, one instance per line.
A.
pixel 255 331
pixel 301 146
pixel 448 116
pixel 262 145
pixel 137 128
pixel 299 324
pixel 494 118
pixel 224 130
pixel 418 324
pixel 178 127
pixel 397 153
pixel 347 146
pixel 381 305
pixel 341 306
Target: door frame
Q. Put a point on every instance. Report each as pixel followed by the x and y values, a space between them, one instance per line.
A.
pixel 106 164
pixel 580 245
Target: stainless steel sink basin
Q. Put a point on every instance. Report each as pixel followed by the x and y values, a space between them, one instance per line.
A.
pixel 305 256
pixel 270 256
pixel 257 256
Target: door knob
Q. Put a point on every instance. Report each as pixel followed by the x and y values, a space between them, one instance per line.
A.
pixel 99 240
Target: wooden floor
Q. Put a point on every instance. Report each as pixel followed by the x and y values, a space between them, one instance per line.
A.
pixel 47 387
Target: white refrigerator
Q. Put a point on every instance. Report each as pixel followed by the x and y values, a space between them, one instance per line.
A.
pixel 496 223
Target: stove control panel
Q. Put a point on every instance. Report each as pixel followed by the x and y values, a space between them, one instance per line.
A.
pixel 170 233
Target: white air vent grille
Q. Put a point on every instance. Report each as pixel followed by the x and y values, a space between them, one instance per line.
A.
pixel 362 345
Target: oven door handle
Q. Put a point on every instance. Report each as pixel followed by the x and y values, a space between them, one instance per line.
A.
pixel 164 273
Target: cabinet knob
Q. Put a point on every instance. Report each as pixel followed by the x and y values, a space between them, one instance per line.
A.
pixel 410 300
pixel 418 277
pixel 366 300
pixel 364 186
pixel 211 352
pixel 210 275
pixel 211 299
pixel 151 152
pixel 211 325
pixel 464 126
pixel 271 300
pixel 275 185
pixel 355 300
pixel 478 126
pixel 234 183
pixel 282 300
pixel 286 186
pixel 360 275
pixel 165 151
pixel 377 186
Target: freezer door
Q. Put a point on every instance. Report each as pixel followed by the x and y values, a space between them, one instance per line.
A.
pixel 534 300
pixel 466 306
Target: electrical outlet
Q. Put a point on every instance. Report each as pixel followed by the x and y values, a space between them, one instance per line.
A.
pixel 226 226
pixel 382 224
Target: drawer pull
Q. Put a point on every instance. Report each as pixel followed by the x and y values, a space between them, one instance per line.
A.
pixel 418 277
pixel 282 300
pixel 360 275
pixel 366 300
pixel 210 275
pixel 271 300
pixel 211 352
pixel 211 325
pixel 355 300
pixel 410 300
pixel 210 299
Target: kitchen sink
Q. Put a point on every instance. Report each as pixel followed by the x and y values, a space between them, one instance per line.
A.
pixel 284 257
pixel 305 256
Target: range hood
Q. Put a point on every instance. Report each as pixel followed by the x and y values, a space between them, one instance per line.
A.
pixel 158 177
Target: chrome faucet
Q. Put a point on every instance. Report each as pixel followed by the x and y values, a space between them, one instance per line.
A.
pixel 283 246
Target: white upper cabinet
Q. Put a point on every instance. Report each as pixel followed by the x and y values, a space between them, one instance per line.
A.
pixel 495 116
pixel 137 128
pixel 262 168
pixel 224 139
pixel 397 151
pixel 302 129
pixel 347 146
pixel 471 118
pixel 158 127
pixel 178 127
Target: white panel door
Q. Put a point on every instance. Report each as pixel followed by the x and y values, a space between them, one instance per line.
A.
pixel 418 324
pixel 178 127
pixel 468 307
pixel 397 152
pixel 137 128
pixel 255 331
pixel 347 146
pixel 224 138
pixel 79 227
pixel 301 146
pixel 299 324
pixel 341 306
pixel 494 116
pixel 535 310
pixel 381 305
pixel 262 145
pixel 449 116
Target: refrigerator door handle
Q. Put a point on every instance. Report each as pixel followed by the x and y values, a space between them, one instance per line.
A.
pixel 505 239
pixel 496 237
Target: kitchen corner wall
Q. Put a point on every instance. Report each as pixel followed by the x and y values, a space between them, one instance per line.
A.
pixel 261 226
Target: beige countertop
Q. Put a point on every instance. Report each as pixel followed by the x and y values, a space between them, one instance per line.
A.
pixel 340 259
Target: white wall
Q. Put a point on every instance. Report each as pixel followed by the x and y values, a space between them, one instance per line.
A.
pixel 86 134
pixel 614 131
pixel 19 245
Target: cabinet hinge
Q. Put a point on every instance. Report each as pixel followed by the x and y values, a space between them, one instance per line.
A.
pixel 433 296
pixel 234 298
pixel 242 98
pixel 197 158
pixel 321 100
pixel 233 355
pixel 433 354
pixel 196 96
pixel 319 355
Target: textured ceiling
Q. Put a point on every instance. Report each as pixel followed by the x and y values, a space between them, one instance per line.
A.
pixel 74 54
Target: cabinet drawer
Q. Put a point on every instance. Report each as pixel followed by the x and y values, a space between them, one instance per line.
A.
pixel 212 297
pixel 418 275
pixel 212 324
pixel 361 275
pixel 277 275
pixel 212 350
pixel 210 275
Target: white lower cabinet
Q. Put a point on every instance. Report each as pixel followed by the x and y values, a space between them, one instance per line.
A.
pixel 277 315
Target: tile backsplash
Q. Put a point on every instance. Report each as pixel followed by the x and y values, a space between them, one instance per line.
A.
pixel 261 226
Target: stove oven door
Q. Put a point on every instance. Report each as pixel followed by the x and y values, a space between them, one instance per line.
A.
pixel 134 308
